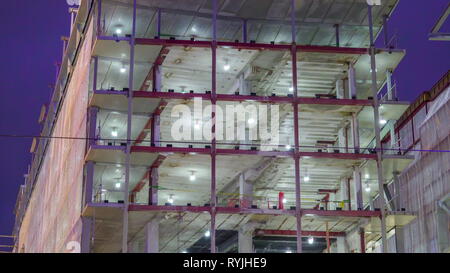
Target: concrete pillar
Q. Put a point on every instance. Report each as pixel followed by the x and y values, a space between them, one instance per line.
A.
pixel 397 195
pixel 245 191
pixel 342 139
pixel 390 89
pixel 343 193
pixel 88 191
pixel 245 238
pixel 341 245
pixel 340 89
pixel 92 126
pixel 151 231
pixel 400 239
pixel 352 82
pixel 355 132
pixel 358 188
pixel 156 78
pixel 86 234
pixel 394 142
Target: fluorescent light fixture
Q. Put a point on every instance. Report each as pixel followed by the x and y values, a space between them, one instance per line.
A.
pixel 383 121
pixel 118 185
pixel 311 240
pixel 192 176
pixel 170 199
pixel 288 251
pixel 367 188
pixel 284 200
pixel 184 251
pixel 123 69
pixel 194 29
pixel 251 121
pixel 288 147
pixel 366 176
pixel 197 125
pixel 226 67
pixel 207 233
pixel 118 31
pixel 291 89
pixel 104 190
pixel 114 132
pixel 306 178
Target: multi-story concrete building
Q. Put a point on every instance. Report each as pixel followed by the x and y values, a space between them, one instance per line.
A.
pixel 113 177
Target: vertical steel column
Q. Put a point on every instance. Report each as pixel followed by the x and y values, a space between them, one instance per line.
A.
pixel 244 30
pixel 158 24
pixel 385 30
pixel 377 132
pixel 94 85
pixel 86 234
pixel 362 240
pixel 336 26
pixel 99 18
pixel 296 132
pixel 213 127
pixel 88 182
pixel 92 123
pixel 128 150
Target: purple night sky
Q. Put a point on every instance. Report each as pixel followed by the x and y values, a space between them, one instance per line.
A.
pixel 31 45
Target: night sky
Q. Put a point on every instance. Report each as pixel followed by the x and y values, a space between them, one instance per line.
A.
pixel 30 45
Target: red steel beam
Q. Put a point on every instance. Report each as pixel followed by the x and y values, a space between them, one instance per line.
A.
pixel 342 213
pixel 147 149
pixel 253 46
pixel 230 97
pixel 194 209
pixel 305 233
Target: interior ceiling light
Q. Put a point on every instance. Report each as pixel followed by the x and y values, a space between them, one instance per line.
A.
pixel 367 188
pixel 383 121
pixel 226 66
pixel 251 121
pixel 288 147
pixel 184 251
pixel 170 199
pixel 291 89
pixel 118 185
pixel 288 251
pixel 366 176
pixel 104 190
pixel 123 69
pixel 207 233
pixel 306 178
pixel 197 125
pixel 114 132
pixel 192 176
pixel 118 31
pixel 284 200
pixel 194 29
pixel 311 240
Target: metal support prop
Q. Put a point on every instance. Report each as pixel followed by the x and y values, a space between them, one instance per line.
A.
pixel 128 150
pixel 296 133
pixel 213 128
pixel 377 132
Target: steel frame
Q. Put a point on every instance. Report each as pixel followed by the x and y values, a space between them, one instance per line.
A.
pixel 214 97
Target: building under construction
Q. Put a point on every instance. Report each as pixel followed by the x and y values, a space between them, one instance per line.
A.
pixel 108 175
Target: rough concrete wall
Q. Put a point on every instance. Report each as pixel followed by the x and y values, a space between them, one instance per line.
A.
pixel 428 179
pixel 52 217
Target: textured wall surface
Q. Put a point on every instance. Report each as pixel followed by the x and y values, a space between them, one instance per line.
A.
pixel 53 214
pixel 427 180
